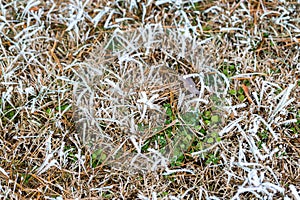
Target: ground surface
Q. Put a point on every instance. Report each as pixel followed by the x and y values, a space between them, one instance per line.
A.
pixel 214 85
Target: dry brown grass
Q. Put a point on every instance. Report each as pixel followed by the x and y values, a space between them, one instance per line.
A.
pixel 44 49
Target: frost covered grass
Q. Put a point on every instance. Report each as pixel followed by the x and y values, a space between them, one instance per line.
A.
pixel 96 95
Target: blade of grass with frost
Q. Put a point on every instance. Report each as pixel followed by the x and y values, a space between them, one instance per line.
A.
pixel 4 172
pixel 254 149
pixel 138 146
pixel 213 9
pixel 100 15
pixel 147 103
pixel 255 183
pixel 232 108
pixel 159 158
pixel 205 150
pixel 252 146
pixel 265 86
pixel 144 12
pixel 37 15
pixel 101 189
pixel 173 171
pixel 80 161
pixel 230 126
pixel 160 2
pixel 142 197
pixel 255 96
pixel 30 4
pixel 205 41
pixel 86 46
pixel 49 155
pixel 114 86
pixel 119 20
pixel 283 101
pixel 241 154
pixel 48 16
pixel 2 25
pixel 47 165
pixel 133 4
pixel 63 154
pixel 287 122
pixel 202 85
pixel 247 75
pixel 187 28
pixel 283 20
pixel 6 96
pixel 294 191
pixel 75 18
pixel 108 24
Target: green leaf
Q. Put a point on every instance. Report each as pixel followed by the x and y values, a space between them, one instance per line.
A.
pixel 231 67
pixel 26 178
pixel 215 98
pixel 225 71
pixel 11 114
pixel 207 115
pixel 203 131
pixel 241 97
pixel 48 110
pixel 232 92
pixel 265 34
pixel 210 140
pixel 206 28
pixel 212 159
pixel 198 128
pixel 97 153
pixel 214 134
pixel 207 122
pixel 247 82
pixel 162 140
pixel 215 119
pixel 146 146
pixel 62 108
pixel 240 91
pixel 177 160
pixel 98 157
pixel 190 118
